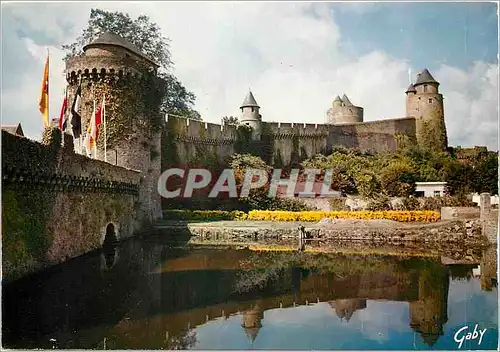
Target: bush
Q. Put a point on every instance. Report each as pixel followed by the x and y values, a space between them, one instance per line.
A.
pixel 379 203
pixel 207 215
pixel 411 204
pixel 436 203
pixel 288 204
pixel 338 204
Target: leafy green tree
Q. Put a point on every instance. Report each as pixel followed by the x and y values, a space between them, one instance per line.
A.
pixel 458 177
pixel 398 179
pixel 486 175
pixel 147 37
pixel 230 120
pixel 367 184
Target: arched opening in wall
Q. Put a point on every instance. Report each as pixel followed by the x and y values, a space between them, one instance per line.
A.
pixel 425 88
pixel 430 100
pixel 110 237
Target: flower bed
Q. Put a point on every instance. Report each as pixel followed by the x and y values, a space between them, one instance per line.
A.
pixel 309 216
pixel 314 216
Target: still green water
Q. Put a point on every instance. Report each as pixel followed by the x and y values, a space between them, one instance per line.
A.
pixel 152 294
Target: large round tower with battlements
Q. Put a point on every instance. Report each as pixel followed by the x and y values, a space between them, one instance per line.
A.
pixel 425 103
pixel 114 70
pixel 344 112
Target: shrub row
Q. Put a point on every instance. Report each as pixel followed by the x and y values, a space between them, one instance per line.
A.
pixel 310 216
pixel 203 215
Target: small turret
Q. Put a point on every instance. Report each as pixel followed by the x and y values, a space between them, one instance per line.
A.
pixel 337 102
pixel 411 89
pixel 346 101
pixel 250 115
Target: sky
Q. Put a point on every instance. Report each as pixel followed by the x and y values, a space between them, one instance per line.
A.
pixel 295 57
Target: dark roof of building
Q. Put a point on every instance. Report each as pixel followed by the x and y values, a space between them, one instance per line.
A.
pixel 14 129
pixel 425 77
pixel 108 38
pixel 411 88
pixel 346 100
pixel 249 101
pixel 337 98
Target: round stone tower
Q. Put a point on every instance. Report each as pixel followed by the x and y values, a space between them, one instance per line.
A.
pixel 425 103
pixel 344 112
pixel 114 69
pixel 250 115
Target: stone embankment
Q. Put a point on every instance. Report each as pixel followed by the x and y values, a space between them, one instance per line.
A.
pixel 382 231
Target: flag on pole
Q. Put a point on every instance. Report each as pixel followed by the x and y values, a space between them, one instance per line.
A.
pixel 43 103
pixel 63 117
pixel 104 122
pixel 88 137
pixel 97 123
pixel 76 119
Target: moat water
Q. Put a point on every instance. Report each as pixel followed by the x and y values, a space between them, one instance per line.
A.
pixel 153 294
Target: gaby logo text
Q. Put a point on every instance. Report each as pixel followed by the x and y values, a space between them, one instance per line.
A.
pixel 253 179
pixel 464 334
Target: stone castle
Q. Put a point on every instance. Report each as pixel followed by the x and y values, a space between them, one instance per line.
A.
pixel 183 141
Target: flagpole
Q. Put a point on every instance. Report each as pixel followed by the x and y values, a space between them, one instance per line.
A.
pixel 93 128
pixel 48 85
pixel 104 117
pixel 81 130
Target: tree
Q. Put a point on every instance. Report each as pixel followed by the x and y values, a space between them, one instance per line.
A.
pixel 230 120
pixel 486 175
pixel 147 37
pixel 257 198
pixel 398 179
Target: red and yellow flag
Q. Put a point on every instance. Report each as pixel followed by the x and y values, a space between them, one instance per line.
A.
pixel 43 103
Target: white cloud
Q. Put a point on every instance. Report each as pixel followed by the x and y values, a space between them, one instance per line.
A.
pixel 471 104
pixel 288 53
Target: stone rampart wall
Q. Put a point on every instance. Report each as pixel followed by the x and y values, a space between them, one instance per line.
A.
pixel 194 141
pixel 56 204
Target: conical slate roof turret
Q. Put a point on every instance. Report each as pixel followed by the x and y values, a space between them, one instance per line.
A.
pixel 337 98
pixel 346 100
pixel 111 39
pixel 249 101
pixel 425 77
pixel 411 88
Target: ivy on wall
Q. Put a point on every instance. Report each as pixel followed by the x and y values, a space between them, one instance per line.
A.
pixel 431 132
pixel 24 237
pixel 132 104
pixel 35 178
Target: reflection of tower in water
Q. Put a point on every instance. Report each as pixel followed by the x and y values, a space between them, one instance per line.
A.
pixel 345 308
pixel 109 257
pixel 252 319
pixel 488 271
pixel 430 312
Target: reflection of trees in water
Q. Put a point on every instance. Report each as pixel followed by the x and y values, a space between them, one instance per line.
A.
pixel 262 268
pixel 461 272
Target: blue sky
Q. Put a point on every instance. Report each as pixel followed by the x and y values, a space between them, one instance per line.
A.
pixel 294 56
pixel 429 34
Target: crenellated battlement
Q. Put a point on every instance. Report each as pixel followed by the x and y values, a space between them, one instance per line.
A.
pixel 107 75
